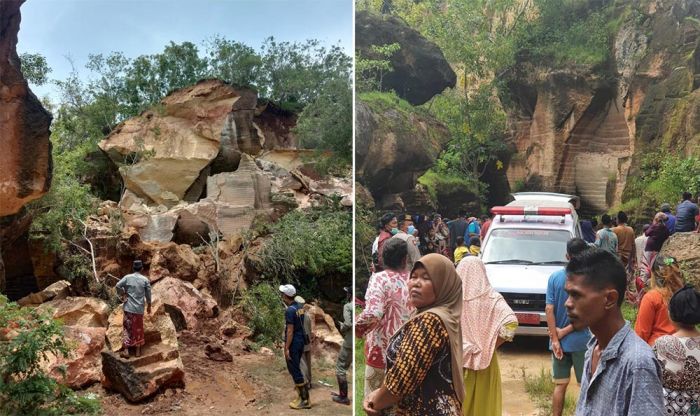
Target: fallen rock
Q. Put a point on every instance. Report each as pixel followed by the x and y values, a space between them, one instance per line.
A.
pixel 83 366
pixel 159 365
pixel 190 302
pixel 323 330
pixel 58 290
pixel 138 378
pixel 217 352
pixel 78 311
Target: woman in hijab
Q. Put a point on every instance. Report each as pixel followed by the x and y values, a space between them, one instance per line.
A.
pixel 424 357
pixel 679 354
pixel 487 322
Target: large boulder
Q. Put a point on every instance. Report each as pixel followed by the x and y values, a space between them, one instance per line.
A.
pixel 24 124
pixel 394 146
pixel 163 152
pixel 419 69
pixel 78 311
pixel 188 302
pixel 324 335
pixel 685 247
pixel 158 367
pixel 58 290
pixel 85 321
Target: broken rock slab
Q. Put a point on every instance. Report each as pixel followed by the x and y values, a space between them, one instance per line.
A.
pixel 58 290
pixel 192 304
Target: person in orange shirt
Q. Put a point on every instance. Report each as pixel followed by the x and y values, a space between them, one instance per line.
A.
pixel 653 320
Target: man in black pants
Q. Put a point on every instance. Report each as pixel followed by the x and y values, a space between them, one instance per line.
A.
pixel 294 345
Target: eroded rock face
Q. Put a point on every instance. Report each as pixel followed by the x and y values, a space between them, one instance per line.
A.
pixel 79 311
pixel 394 147
pixel 685 247
pixel 24 124
pixel 420 70
pixel 585 130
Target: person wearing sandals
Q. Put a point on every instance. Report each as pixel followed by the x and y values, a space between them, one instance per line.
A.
pixel 679 355
pixel 135 290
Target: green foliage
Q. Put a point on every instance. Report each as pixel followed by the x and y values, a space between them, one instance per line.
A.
pixel 26 338
pixel 370 70
pixel 58 214
pixel 233 61
pixel 447 183
pixel 662 178
pixel 570 32
pixel 326 123
pixel 34 68
pixel 309 244
pixel 477 125
pixel 262 303
pixel 384 101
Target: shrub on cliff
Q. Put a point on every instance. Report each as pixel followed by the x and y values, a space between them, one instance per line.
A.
pixel 26 337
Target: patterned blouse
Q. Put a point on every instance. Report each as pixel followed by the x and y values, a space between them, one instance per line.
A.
pixel 386 309
pixel 419 369
pixel 680 359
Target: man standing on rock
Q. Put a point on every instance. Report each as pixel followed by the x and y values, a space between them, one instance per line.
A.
pixel 685 214
pixel 345 356
pixel 134 289
pixel 294 345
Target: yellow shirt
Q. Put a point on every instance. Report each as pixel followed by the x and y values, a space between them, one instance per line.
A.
pixel 474 250
pixel 460 252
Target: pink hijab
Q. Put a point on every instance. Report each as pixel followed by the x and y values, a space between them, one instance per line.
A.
pixel 484 312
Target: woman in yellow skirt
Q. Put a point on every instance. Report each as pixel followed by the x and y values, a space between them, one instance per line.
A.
pixel 487 322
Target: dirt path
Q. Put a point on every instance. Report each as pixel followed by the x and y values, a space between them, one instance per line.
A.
pixel 527 354
pixel 253 384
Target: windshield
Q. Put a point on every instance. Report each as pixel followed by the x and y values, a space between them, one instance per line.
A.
pixel 526 246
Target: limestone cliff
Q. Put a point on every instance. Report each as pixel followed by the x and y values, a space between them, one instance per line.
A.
pixel 583 130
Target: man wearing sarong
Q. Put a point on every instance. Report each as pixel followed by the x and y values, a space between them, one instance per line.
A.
pixel 135 290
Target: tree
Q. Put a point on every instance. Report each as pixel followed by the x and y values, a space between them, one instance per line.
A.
pixel 234 62
pixel 35 68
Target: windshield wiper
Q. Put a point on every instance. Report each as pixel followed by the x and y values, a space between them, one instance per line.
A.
pixel 562 262
pixel 511 261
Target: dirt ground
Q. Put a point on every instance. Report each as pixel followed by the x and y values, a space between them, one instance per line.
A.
pixel 253 384
pixel 529 354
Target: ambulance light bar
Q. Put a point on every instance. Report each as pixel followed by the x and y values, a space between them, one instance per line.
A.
pixel 530 211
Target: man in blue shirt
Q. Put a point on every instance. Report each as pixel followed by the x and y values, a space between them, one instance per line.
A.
pixel 294 345
pixel 621 375
pixel 685 214
pixel 568 346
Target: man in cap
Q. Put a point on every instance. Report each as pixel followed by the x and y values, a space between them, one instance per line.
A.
pixel 135 290
pixel 345 356
pixel 294 345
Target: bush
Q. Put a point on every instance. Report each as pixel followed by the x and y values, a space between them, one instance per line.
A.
pixel 26 338
pixel 310 244
pixel 262 303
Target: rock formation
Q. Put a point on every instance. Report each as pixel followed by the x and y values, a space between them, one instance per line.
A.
pixel 393 148
pixel 420 70
pixel 584 130
pixel 25 160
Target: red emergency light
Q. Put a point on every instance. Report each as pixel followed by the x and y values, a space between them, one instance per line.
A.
pixel 530 211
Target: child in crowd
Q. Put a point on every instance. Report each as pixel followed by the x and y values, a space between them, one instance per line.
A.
pixel 474 246
pixel 461 250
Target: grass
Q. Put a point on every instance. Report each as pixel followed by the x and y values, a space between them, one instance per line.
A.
pixel 629 312
pixel 540 389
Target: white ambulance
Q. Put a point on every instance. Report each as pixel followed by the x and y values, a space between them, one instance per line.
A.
pixel 524 245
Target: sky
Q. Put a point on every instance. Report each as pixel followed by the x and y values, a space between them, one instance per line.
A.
pixel 77 28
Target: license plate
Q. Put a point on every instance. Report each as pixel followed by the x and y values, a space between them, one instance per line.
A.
pixel 528 318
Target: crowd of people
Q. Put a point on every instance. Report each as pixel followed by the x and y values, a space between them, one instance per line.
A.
pixel 432 322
